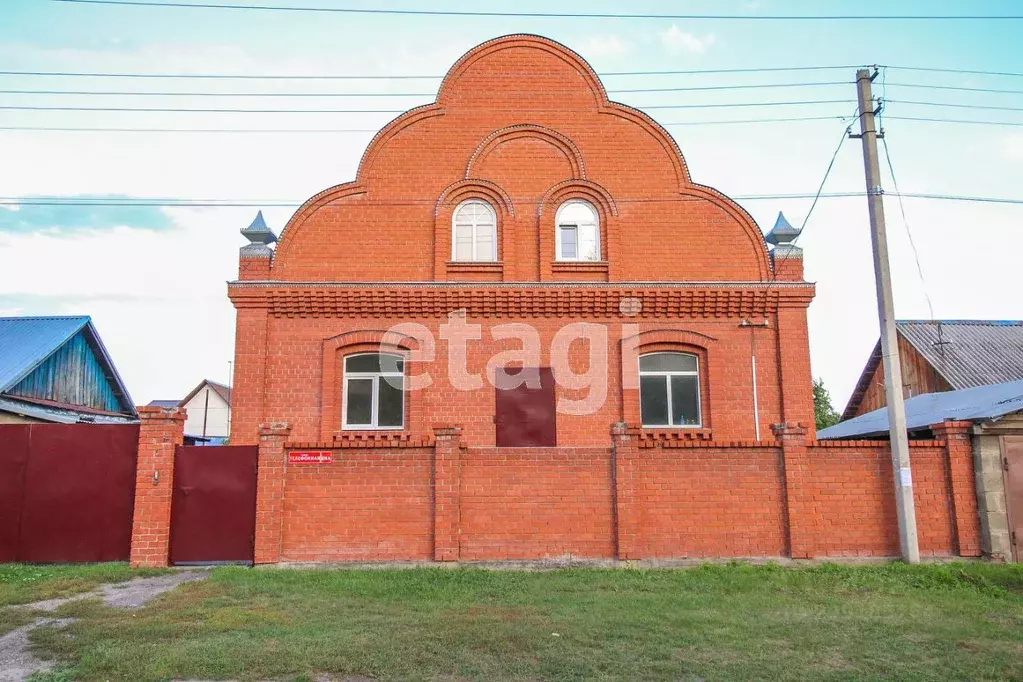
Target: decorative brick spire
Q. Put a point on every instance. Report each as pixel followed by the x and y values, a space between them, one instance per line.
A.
pixel 254 257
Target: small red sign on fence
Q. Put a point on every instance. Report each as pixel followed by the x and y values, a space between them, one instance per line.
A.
pixel 318 457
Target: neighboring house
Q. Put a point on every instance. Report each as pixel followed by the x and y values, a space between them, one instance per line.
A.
pixel 996 414
pixel 943 355
pixel 56 369
pixel 523 195
pixel 208 407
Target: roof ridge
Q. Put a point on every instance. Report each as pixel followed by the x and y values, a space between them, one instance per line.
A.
pixel 992 323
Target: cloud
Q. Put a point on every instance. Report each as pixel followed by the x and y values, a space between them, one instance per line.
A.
pixel 600 45
pixel 67 216
pixel 677 40
pixel 1012 147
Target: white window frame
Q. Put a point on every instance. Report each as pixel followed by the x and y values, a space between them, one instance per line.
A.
pixel 596 232
pixel 476 257
pixel 374 396
pixel 669 374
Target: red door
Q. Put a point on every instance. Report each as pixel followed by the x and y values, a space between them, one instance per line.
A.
pixel 525 409
pixel 213 510
pixel 1013 452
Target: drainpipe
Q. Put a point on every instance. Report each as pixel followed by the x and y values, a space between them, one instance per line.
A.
pixel 753 368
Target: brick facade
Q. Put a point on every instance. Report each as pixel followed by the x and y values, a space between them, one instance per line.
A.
pixel 524 124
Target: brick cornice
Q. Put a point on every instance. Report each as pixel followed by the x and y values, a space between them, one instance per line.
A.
pixel 519 299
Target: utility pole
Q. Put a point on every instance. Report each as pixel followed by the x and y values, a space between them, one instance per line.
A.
pixel 906 508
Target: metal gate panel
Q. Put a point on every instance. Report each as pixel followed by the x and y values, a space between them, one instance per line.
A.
pixel 14 439
pixel 1013 453
pixel 213 512
pixel 79 493
pixel 524 412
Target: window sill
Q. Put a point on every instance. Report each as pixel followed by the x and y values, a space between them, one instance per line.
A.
pixel 675 433
pixel 579 266
pixel 475 266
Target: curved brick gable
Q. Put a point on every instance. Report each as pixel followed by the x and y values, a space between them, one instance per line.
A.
pixel 520 116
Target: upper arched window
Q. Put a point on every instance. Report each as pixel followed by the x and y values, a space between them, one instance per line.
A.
pixel 578 229
pixel 474 232
pixel 669 389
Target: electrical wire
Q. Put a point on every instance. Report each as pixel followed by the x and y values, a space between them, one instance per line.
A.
pixel 954 120
pixel 749 121
pixel 226 76
pixel 503 92
pixel 553 15
pixel 392 111
pixel 954 105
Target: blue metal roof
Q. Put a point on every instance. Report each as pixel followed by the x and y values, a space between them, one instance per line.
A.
pixel 980 403
pixel 25 342
pixel 28 344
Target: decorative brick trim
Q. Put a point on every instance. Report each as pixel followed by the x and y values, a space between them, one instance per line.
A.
pixel 530 131
pixel 491 300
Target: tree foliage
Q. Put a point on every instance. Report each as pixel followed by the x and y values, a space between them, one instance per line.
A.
pixel 824 412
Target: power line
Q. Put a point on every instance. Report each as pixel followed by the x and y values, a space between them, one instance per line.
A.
pixel 905 222
pixel 503 92
pixel 391 111
pixel 957 88
pixel 962 71
pixel 367 130
pixel 249 203
pixel 953 120
pixel 683 72
pixel 953 105
pixel 555 15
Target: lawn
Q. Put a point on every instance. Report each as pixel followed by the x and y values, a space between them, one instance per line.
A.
pixel 960 621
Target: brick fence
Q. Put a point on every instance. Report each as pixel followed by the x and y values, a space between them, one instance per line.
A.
pixel 646 495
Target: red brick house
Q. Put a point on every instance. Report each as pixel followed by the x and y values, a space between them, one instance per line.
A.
pixel 524 226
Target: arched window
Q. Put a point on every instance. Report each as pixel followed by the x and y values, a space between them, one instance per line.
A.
pixel 474 232
pixel 374 392
pixel 669 389
pixel 578 231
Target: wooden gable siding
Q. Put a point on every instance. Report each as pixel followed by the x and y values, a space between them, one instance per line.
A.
pixel 73 375
pixel 918 377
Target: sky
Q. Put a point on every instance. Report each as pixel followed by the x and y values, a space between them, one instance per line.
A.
pixel 154 277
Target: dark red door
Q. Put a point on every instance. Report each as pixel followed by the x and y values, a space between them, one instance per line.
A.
pixel 525 408
pixel 213 511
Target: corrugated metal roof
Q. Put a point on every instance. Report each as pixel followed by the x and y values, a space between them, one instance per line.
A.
pixel 969 353
pixel 980 403
pixel 25 342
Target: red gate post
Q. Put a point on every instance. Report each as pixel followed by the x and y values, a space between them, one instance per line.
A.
pixel 798 488
pixel 160 431
pixel 962 488
pixel 270 492
pixel 447 457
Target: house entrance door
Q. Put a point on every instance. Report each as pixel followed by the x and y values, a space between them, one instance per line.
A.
pixel 1013 466
pixel 524 413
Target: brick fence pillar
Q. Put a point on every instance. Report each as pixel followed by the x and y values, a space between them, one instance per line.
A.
pixel 962 484
pixel 270 492
pixel 160 431
pixel 624 454
pixel 447 456
pixel 798 489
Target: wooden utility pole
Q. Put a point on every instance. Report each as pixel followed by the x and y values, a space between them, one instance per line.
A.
pixel 886 314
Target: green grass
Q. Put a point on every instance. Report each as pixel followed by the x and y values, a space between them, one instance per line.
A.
pixel 25 583
pixel 960 621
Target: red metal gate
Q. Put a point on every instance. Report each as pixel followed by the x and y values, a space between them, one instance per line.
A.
pixel 67 492
pixel 213 512
pixel 524 412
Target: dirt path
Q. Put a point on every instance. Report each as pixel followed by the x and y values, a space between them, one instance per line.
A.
pixel 16 659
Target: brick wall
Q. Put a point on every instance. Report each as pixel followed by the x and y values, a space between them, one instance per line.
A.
pixel 531 503
pixel 160 431
pixel 650 495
